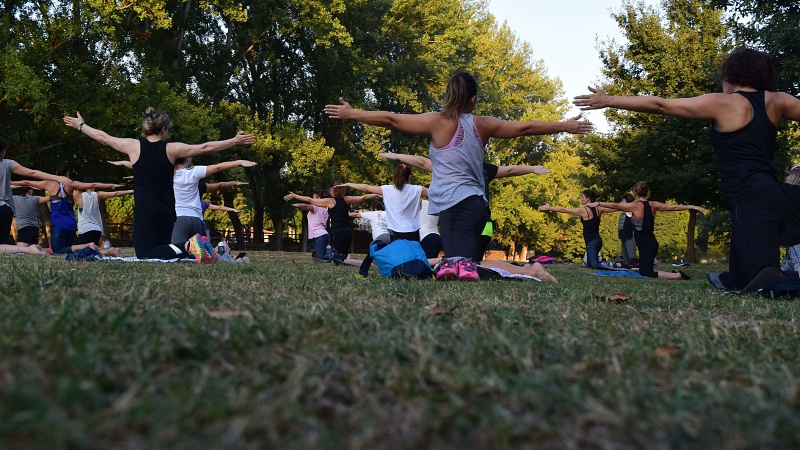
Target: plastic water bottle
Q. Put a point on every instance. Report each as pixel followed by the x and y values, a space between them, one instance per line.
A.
pixel 328 252
pixel 107 244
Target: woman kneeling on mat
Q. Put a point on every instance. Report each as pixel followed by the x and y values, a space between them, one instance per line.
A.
pixel 644 215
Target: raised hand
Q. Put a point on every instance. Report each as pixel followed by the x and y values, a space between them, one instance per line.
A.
pixel 341 111
pixel 596 100
pixel 244 139
pixel 576 126
pixel 73 122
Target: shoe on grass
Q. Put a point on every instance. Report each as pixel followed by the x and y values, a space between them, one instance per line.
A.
pixel 448 270
pixel 198 250
pixel 467 270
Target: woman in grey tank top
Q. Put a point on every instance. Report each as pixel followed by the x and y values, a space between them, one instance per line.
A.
pixel 456 152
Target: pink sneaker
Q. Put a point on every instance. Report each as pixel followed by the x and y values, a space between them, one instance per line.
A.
pixel 467 270
pixel 448 270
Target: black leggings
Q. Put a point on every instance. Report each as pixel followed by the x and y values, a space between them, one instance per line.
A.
pixel 461 227
pixel 755 234
pixel 341 240
pixel 648 249
pixel 151 231
pixel 6 216
pixel 432 244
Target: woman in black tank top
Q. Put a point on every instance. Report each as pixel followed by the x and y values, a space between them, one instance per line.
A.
pixel 644 211
pixel 590 219
pixel 153 162
pixel 744 119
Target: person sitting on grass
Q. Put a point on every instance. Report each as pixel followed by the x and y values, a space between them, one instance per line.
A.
pixel 26 208
pixel 62 215
pixel 90 223
pixel 7 167
pixel 643 216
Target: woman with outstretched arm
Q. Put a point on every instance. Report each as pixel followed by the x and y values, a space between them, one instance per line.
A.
pixel 338 205
pixel 643 216
pixel 153 162
pixel 590 220
pixel 456 151
pixel 744 125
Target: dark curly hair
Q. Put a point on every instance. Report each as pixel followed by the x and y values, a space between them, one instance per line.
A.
pixel 751 68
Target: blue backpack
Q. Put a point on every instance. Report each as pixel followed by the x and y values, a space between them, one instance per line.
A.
pixel 401 259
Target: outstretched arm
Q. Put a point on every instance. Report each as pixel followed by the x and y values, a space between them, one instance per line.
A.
pixel 32 183
pixel 424 123
pixel 180 150
pixel 80 186
pixel 102 195
pixel 21 170
pixel 627 207
pixel 490 127
pixel 420 162
pixel 224 208
pixel 353 199
pixel 514 171
pixel 122 145
pixel 580 212
pixel 216 168
pixel 121 163
pixel 324 202
pixel 709 106
pixel 214 187
pixel 658 206
pixel 303 206
pixel 355 214
pixel 363 187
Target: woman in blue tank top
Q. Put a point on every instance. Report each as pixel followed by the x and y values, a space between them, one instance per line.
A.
pixel 456 151
pixel 744 119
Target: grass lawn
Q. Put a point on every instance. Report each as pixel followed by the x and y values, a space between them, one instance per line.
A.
pixel 285 353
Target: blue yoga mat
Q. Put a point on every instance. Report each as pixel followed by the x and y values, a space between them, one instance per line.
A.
pixel 617 273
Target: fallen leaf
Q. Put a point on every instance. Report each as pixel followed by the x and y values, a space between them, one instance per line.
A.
pixel 613 298
pixel 435 310
pixel 230 314
pixel 619 298
pixel 666 351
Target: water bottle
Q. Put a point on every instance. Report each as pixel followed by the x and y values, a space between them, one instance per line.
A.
pixel 328 252
pixel 106 244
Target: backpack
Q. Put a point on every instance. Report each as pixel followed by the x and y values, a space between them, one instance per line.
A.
pixel 401 259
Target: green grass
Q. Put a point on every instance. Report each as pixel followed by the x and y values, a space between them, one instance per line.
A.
pixel 122 355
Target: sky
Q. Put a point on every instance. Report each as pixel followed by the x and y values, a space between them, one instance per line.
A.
pixel 564 34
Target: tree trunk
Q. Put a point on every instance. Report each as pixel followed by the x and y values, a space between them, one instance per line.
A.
pixel 524 253
pixel 512 251
pixel 278 226
pixel 690 228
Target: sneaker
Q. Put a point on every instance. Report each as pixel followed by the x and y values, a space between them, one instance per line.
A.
pixel 198 250
pixel 448 270
pixel 467 270
pixel 209 248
